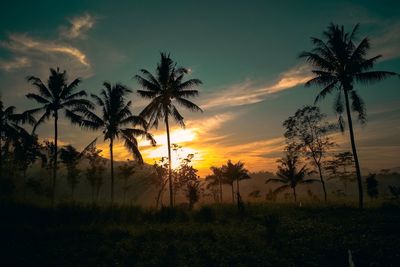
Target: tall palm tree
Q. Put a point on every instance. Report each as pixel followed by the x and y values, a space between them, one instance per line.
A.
pixel 115 121
pixel 53 96
pixel 339 62
pixel 289 174
pixel 164 89
pixel 235 172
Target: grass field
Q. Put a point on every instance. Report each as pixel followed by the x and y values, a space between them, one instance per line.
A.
pixel 262 235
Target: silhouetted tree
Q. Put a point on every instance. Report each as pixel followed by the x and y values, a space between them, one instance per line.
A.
pixel 289 173
pixel 27 150
pixel 235 172
pixel 193 191
pixel 94 173
pixel 339 62
pixel 125 173
pixel 372 185
pixel 54 96
pixel 215 180
pixel 164 88
pixel 160 179
pixel 9 131
pixel 219 175
pixel 115 122
pixel 341 167
pixel 70 157
pixel 308 129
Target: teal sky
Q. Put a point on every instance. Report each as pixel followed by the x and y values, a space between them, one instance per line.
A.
pixel 245 52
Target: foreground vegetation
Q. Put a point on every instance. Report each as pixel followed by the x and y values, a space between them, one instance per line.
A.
pixel 259 235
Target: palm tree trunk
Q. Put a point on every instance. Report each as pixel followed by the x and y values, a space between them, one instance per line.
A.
pixel 220 190
pixel 171 190
pixel 53 194
pixel 112 170
pixel 294 194
pixel 353 147
pixel 322 181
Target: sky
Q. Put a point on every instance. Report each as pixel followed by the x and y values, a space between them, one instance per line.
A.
pixel 245 53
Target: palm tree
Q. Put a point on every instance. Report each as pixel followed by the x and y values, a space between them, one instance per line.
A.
pixel 115 120
pixel 235 172
pixel 339 62
pixel 54 96
pixel 289 174
pixel 165 88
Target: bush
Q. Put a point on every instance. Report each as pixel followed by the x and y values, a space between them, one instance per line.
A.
pixel 205 215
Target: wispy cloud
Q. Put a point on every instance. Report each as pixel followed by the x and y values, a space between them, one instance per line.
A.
pixel 24 44
pixel 78 26
pixel 248 93
pixel 15 63
pixel 387 42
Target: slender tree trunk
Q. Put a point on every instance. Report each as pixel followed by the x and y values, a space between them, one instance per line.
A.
pixel 322 181
pixel 353 147
pixel 294 194
pixel 220 190
pixel 72 192
pixel 233 194
pixel 53 194
pixel 171 190
pixel 112 170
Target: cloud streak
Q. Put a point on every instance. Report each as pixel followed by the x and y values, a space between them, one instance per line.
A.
pixel 247 93
pixel 15 63
pixel 78 26
pixel 24 44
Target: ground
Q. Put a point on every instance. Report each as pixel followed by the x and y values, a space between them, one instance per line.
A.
pixel 262 235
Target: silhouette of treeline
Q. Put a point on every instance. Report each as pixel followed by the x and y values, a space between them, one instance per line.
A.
pixel 338 62
pixel 268 235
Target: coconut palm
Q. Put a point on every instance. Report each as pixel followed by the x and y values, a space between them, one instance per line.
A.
pixel 166 88
pixel 115 122
pixel 235 172
pixel 339 62
pixel 53 96
pixel 289 174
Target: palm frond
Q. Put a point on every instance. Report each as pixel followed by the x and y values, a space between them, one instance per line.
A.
pixel 358 105
pixel 371 77
pixel 188 104
pixel 37 98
